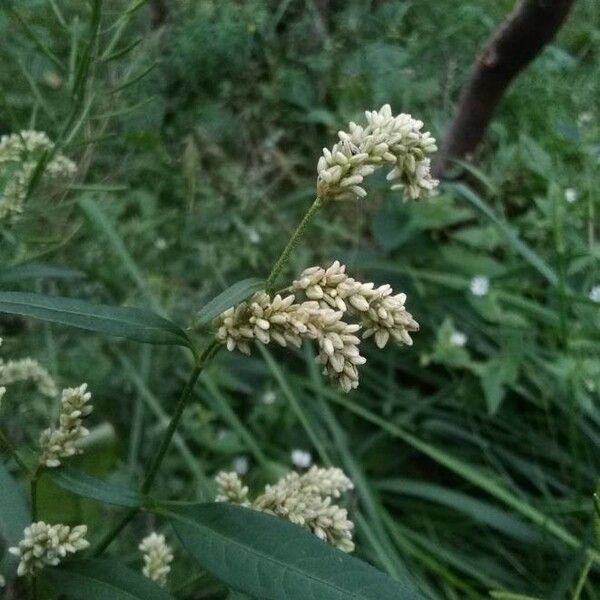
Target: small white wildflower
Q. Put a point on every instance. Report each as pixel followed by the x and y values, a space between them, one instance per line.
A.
pixel 241 465
pixel 160 244
pixel 396 141
pixel 585 118
pixel 269 397
pixel 158 556
pixel 62 441
pixel 253 236
pixel 46 545
pixel 20 154
pixel 595 293
pixel 571 195
pixel 480 285
pixel 301 458
pixel 458 339
pixel 231 489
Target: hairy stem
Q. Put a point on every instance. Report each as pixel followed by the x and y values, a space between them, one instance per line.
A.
pixel 291 245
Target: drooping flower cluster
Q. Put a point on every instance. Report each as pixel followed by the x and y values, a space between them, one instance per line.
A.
pixel 20 155
pixel 382 312
pixel 62 441
pixel 46 545
pixel 386 139
pixel 27 369
pixel 158 556
pixel 331 296
pixel 286 322
pixel 304 499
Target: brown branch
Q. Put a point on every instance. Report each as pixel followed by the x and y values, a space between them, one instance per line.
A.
pixel 522 36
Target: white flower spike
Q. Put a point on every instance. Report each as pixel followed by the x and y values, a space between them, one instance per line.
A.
pixel 396 141
pixel 46 545
pixel 158 556
pixel 62 441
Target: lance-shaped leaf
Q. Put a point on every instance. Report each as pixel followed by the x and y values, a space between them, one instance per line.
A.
pixel 87 486
pixel 230 297
pixel 136 324
pixel 270 558
pixel 97 579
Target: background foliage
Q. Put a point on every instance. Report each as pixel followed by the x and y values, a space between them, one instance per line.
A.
pixel 197 139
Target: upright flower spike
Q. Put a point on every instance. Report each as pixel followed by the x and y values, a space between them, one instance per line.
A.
pixel 231 489
pixel 20 154
pixel 46 545
pixel 386 139
pixel 304 499
pixel 158 556
pixel 62 441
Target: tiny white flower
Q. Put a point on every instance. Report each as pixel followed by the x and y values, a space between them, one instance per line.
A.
pixel 160 244
pixel 571 195
pixel 480 285
pixel 301 458
pixel 253 236
pixel 458 339
pixel 595 293
pixel 241 465
pixel 585 118
pixel 269 397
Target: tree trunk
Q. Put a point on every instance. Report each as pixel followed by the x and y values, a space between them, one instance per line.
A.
pixel 522 36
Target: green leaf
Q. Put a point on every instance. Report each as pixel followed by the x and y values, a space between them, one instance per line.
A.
pixel 85 485
pixel 136 324
pixel 509 235
pixel 98 579
pixel 14 517
pixel 267 557
pixel 38 271
pixel 230 297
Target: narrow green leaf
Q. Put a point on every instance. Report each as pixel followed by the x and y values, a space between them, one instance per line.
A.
pixel 97 579
pixel 230 297
pixel 85 485
pixel 98 219
pixel 479 510
pixel 14 517
pixel 267 557
pixel 521 247
pixel 132 323
pixel 38 271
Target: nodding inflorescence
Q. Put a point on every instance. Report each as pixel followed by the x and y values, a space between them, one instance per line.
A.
pixel 395 141
pixel 336 308
pixel 305 499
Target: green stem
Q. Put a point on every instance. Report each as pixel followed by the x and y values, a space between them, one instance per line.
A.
pixel 293 242
pixel 582 578
pixel 33 486
pixel 201 362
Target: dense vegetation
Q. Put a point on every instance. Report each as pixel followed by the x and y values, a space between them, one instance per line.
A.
pixel 196 130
